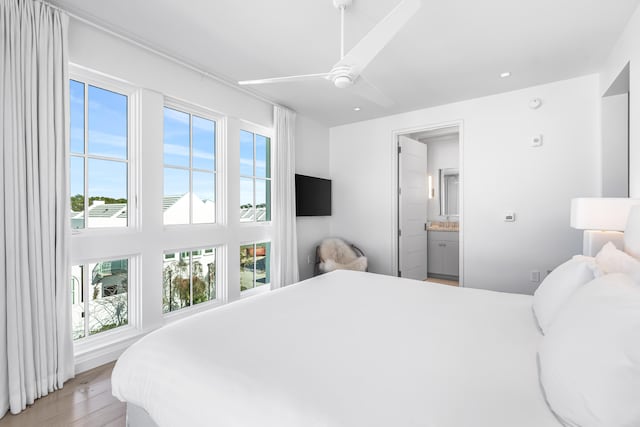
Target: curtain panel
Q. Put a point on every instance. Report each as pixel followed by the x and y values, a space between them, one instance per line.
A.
pixel 36 355
pixel 285 248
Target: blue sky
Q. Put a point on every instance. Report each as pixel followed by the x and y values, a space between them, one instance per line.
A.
pixel 262 167
pixel 176 153
pixel 107 137
pixel 176 140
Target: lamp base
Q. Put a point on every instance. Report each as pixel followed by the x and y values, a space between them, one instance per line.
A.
pixel 593 241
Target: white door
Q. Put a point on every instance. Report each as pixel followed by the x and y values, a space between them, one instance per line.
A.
pixel 412 208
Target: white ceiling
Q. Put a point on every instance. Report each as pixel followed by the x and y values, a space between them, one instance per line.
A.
pixel 450 50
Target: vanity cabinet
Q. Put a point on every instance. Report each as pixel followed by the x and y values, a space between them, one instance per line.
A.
pixel 443 258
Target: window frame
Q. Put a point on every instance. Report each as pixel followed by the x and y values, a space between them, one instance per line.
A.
pixel 262 288
pixel 102 81
pixel 132 328
pixel 90 245
pixel 219 152
pixel 144 244
pixel 205 305
pixel 256 129
pixel 132 267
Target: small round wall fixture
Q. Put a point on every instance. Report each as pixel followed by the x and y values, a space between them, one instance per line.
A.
pixel 535 103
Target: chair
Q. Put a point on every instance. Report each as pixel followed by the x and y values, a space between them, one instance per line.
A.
pixel 336 254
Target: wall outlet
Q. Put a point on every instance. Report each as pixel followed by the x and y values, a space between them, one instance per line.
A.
pixel 534 276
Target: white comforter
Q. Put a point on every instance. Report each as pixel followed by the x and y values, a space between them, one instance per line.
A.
pixel 344 349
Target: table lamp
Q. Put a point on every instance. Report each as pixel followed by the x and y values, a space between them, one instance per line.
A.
pixel 603 220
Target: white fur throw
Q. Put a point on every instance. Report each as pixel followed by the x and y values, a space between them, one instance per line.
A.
pixel 336 254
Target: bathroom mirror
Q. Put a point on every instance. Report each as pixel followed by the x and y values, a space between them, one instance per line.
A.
pixel 449 192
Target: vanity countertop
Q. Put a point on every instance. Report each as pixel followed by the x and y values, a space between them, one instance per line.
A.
pixel 451 226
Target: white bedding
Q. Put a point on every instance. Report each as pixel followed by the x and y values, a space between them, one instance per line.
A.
pixel 344 349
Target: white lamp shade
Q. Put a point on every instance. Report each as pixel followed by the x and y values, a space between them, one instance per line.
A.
pixel 597 213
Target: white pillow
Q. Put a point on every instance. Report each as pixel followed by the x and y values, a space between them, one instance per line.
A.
pixel 590 358
pixel 557 287
pixel 612 260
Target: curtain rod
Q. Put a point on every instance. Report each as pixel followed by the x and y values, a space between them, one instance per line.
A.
pixel 160 53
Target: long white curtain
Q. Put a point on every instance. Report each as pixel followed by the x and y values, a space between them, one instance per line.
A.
pixel 285 243
pixel 36 354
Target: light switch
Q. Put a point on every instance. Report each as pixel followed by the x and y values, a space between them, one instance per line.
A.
pixel 509 216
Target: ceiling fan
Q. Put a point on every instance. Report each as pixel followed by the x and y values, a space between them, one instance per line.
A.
pixel 346 73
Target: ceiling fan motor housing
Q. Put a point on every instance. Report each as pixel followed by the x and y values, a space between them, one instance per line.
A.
pixel 342 81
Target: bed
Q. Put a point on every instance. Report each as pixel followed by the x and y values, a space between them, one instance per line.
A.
pixel 343 349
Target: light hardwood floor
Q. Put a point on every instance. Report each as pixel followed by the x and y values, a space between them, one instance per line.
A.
pixel 84 401
pixel 443 281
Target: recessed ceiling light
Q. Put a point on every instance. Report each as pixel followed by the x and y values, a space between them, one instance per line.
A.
pixel 356 108
pixel 505 75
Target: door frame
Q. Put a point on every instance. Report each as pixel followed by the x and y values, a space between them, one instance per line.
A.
pixel 395 182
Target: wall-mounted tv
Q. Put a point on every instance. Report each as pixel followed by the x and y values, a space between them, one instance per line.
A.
pixel 313 196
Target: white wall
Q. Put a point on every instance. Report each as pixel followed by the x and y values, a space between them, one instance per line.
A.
pixel 626 50
pixel 615 146
pixel 312 158
pixel 441 154
pixel 500 172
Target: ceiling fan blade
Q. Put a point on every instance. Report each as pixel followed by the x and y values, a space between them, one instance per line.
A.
pixel 364 89
pixel 371 44
pixel 299 78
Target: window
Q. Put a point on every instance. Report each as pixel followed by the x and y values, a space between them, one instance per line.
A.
pixel 99 157
pixel 189 168
pixel 255 177
pixel 255 265
pixel 99 295
pixel 189 278
pixel 189 245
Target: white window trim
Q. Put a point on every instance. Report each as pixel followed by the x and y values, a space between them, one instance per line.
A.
pixel 134 297
pixel 266 132
pixel 103 81
pixel 267 286
pixel 90 245
pixel 220 154
pixel 145 243
pixel 206 305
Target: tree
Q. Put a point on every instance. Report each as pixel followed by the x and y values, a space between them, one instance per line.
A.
pixel 77 203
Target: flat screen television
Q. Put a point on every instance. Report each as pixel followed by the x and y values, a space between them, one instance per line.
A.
pixel 313 196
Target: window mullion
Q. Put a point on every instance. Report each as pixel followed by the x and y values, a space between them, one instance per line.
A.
pixel 255 207
pixel 85 302
pixel 191 279
pixel 84 157
pixel 255 265
pixel 190 168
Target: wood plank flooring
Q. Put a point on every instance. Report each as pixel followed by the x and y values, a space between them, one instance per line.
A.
pixel 443 281
pixel 84 401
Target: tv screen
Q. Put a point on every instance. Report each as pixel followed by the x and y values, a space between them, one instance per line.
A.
pixel 313 196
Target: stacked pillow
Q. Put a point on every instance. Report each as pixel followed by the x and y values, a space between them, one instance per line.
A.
pixel 559 285
pixel 589 358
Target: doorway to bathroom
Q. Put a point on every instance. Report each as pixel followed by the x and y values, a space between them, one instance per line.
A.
pixel 429 204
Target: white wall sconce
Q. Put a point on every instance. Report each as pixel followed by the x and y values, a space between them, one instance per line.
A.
pixel 602 219
pixel 430 189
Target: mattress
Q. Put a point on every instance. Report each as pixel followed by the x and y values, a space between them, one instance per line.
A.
pixel 344 349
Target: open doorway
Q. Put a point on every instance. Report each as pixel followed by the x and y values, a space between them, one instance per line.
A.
pixel 429 201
